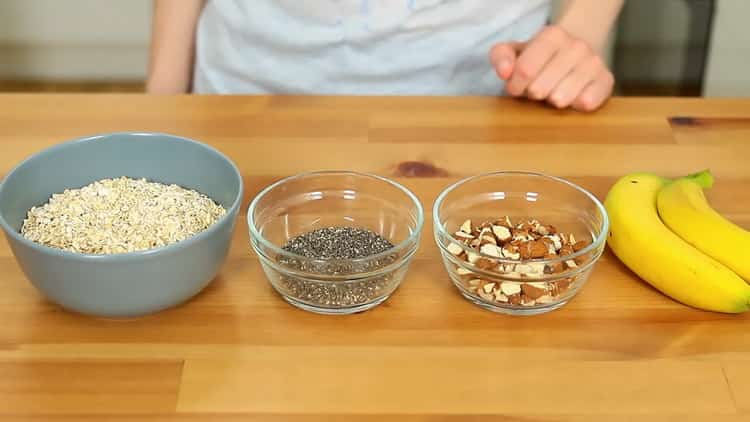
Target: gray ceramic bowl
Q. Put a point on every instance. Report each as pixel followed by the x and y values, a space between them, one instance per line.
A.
pixel 130 284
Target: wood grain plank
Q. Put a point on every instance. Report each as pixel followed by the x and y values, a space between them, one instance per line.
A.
pixel 711 130
pixel 56 386
pixel 655 133
pixel 498 126
pixel 737 375
pixel 559 159
pixel 614 317
pixel 458 383
pixel 287 417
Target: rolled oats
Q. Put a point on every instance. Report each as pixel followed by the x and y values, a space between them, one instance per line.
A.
pixel 120 215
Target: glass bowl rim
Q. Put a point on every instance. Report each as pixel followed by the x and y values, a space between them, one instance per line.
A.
pixel 413 237
pixel 594 245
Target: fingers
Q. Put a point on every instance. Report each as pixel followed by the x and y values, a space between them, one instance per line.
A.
pixel 596 93
pixel 503 58
pixel 534 58
pixel 573 85
pixel 561 65
pixel 555 67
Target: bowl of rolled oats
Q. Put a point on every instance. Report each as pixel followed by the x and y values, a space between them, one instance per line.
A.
pixel 519 243
pixel 124 224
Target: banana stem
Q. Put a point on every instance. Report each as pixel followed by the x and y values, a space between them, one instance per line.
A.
pixel 704 179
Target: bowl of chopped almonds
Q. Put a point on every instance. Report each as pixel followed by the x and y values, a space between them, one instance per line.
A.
pixel 121 225
pixel 519 243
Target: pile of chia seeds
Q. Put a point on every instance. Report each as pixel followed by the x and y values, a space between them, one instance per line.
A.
pixel 332 248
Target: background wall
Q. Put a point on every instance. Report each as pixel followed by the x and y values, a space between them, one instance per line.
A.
pixel 74 39
pixel 728 71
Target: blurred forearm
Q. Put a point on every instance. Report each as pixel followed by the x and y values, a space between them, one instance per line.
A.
pixel 590 20
pixel 173 46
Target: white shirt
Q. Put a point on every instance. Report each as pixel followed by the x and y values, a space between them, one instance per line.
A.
pixel 358 47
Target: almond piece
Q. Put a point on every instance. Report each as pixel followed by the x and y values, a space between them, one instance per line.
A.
pixel 484 226
pixel 571 264
pixel 556 242
pixel 533 249
pixel 515 299
pixel 561 286
pixel 463 271
pixel 540 229
pixel 474 243
pixel 463 236
pixel 475 282
pixel 536 268
pixel 521 235
pixel 526 226
pixel 534 290
pixel 527 301
pixel 523 269
pixel 454 249
pixel 571 239
pixel 580 245
pixel 491 250
pixel 510 288
pixel 472 257
pixel 502 234
pixel 486 236
pixel 511 252
pixel 486 296
pixel 505 222
pixel 500 297
pixel 551 250
pixel 582 259
pixel 506 268
pixel 566 250
pixel 554 268
pixel 485 264
pixel 466 227
pixel 489 287
pixel 489 239
pixel 542 300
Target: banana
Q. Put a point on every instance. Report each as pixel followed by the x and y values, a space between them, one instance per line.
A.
pixel 642 242
pixel 684 209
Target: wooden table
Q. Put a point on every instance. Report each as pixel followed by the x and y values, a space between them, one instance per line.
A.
pixel 238 352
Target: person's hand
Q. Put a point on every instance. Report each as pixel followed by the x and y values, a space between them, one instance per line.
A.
pixel 554 67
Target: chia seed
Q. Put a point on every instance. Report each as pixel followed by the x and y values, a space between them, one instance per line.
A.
pixel 338 243
pixel 331 251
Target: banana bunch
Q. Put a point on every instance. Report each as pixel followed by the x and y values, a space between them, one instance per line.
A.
pixel 667 233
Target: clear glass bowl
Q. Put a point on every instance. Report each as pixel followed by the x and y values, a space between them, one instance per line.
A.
pixel 310 201
pixel 520 196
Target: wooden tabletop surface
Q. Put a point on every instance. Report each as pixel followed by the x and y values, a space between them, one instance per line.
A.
pixel 239 352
